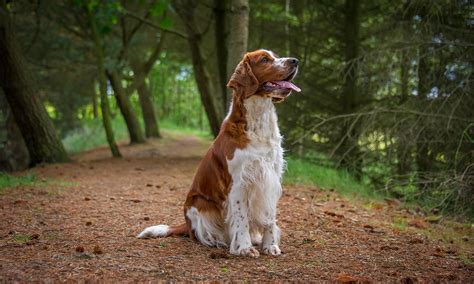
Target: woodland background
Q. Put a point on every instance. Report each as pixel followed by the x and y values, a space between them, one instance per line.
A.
pixel 387 86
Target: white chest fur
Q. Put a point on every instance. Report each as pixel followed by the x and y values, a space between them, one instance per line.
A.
pixel 256 174
pixel 257 169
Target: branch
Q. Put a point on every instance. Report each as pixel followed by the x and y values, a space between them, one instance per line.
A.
pixel 37 28
pixel 153 25
pixel 377 111
pixel 141 72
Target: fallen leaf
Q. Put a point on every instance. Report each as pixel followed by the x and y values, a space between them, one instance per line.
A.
pixel 433 218
pixel 388 247
pixel 345 278
pixel 330 213
pixel 98 250
pixel 392 202
pixel 217 255
pixel 417 223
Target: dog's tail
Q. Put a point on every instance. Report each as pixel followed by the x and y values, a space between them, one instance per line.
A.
pixel 163 231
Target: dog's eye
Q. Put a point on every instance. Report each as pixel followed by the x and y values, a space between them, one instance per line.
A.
pixel 264 60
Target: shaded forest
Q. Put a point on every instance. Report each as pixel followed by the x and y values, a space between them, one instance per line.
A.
pixel 108 106
pixel 387 86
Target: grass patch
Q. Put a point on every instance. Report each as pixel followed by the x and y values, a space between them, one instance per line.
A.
pixel 400 223
pixel 91 134
pixel 9 181
pixel 172 127
pixel 53 187
pixel 301 172
pixel 21 239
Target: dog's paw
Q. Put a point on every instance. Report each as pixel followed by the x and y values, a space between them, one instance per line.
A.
pixel 272 250
pixel 256 239
pixel 251 252
pixel 154 232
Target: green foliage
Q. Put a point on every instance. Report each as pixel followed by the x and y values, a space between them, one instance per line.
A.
pixel 105 13
pixel 176 95
pixel 407 130
pixel 170 126
pixel 300 171
pixel 9 181
pixel 91 135
pixel 158 10
pixel 21 239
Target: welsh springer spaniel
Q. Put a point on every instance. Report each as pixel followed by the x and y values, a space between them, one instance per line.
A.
pixel 233 198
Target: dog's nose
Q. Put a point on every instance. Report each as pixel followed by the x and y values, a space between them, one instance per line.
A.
pixel 293 62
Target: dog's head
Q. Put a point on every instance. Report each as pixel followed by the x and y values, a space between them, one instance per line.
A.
pixel 262 73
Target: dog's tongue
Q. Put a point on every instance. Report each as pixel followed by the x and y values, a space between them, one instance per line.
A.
pixel 287 85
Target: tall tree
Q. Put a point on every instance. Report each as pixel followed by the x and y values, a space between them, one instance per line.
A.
pixel 30 115
pixel 230 43
pixel 141 70
pixel 133 126
pixel 349 150
pixel 221 39
pixel 13 151
pixel 238 33
pixel 104 101
pixel 209 94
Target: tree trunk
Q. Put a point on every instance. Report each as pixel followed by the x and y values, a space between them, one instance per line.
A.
pixel 13 151
pixel 141 70
pixel 185 10
pixel 287 27
pixel 349 149
pixel 422 159
pixel 148 111
pixel 403 148
pixel 95 108
pixel 30 115
pixel 238 35
pixel 220 33
pixel 133 126
pixel 104 101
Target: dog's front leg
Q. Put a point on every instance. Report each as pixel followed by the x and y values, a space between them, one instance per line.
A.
pixel 271 239
pixel 238 223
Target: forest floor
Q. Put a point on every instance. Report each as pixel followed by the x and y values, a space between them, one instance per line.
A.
pixel 80 221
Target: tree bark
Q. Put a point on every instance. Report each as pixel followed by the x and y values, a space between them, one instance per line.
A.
pixel 287 28
pixel 349 149
pixel 403 149
pixel 141 71
pixel 148 110
pixel 133 126
pixel 104 101
pixel 423 161
pixel 30 115
pixel 185 10
pixel 238 34
pixel 95 107
pixel 13 151
pixel 220 26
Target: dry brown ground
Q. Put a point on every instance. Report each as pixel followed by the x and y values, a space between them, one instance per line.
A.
pixel 84 228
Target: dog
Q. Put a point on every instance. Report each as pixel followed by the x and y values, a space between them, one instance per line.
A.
pixel 233 198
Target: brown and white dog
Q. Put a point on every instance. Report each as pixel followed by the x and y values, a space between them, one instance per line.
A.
pixel 233 198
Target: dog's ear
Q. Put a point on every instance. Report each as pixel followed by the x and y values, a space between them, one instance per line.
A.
pixel 243 80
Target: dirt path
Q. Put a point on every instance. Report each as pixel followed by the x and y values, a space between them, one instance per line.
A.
pixel 84 228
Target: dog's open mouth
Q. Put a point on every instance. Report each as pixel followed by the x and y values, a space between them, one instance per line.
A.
pixel 282 85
